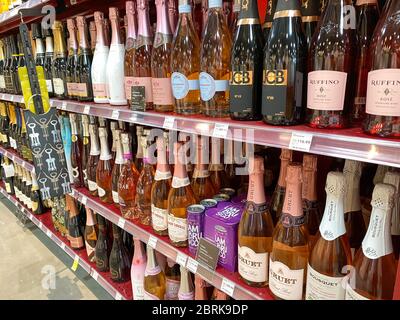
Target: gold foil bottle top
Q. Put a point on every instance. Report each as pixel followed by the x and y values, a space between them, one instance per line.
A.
pixel 113 13
pixel 310 162
pixel 383 196
pixel 286 154
pixel 380 174
pixel 294 173
pixel 125 138
pixel 353 168
pixel 393 178
pixel 57 25
pixel 335 184
pixel 139 130
pixel 98 16
pixel 256 165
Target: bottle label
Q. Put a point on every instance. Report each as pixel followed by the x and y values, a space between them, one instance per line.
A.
pixel 128 87
pixel 58 86
pixel 149 296
pixel 253 207
pixel 138 291
pixel 274 92
pixel 332 225
pixel 289 221
pixel 71 88
pixel 115 196
pixel 215 4
pixel 162 175
pixel 101 191
pixel 185 8
pixel 49 85
pixel 159 218
pixel 76 242
pixel 99 91
pixel 323 287
pixel 253 266
pixel 351 294
pixel 180 182
pixel 200 173
pixel 181 85
pixel 172 288
pixel 152 271
pixel 186 295
pixel 146 83
pixel 208 86
pixel 284 282
pixel 8 170
pixel 177 228
pixel 2 82
pixel 105 157
pixel 362 2
pixel 161 39
pixel 326 90
pixel 8 187
pixel 92 185
pixel 241 90
pixel 162 91
pixel 143 41
pixel 383 93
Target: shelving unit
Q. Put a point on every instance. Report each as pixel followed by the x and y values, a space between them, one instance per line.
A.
pixel 44 223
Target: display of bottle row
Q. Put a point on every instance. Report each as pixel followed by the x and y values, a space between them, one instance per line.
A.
pixel 268 227
pixel 290 80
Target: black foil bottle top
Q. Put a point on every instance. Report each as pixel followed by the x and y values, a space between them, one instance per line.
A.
pixel 284 5
pixel 311 8
pixel 271 7
pixel 248 10
pixel 36 31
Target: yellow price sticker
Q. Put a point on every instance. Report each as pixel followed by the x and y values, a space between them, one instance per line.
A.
pixel 75 264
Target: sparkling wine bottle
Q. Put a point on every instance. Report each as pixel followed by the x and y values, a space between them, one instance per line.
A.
pixel 173 279
pixel 331 253
pixel 200 288
pixel 154 278
pixel 172 14
pixel 104 169
pixel 40 48
pixel 290 245
pixel 76 154
pixel 160 61
pixel 93 159
pixel 48 60
pixel 375 265
pixel 214 75
pixel 367 18
pixel 119 162
pixel 160 191
pixel 246 65
pixel 186 288
pixel 113 128
pixel 311 12
pixel 255 230
pixel 85 148
pixel 139 149
pixel 74 232
pixel 72 61
pixel 119 258
pixel 90 234
pixel 138 268
pixel 103 247
pixel 382 106
pixel 37 204
pixel 269 17
pixel 185 63
pixel 131 35
pixel 331 67
pixel 284 76
pixel 92 33
pixel 59 67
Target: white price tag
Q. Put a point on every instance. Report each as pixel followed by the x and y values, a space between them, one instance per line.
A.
pixel 220 130
pixel 2 96
pixel 84 200
pixel 86 109
pixel 228 287
pixel 192 265
pixel 64 106
pixel 121 222
pixel 12 158
pixel 11 98
pixel 30 216
pixel 133 117
pixel 115 114
pixel 94 274
pixel 49 234
pixel 63 246
pixel 152 242
pixel 181 259
pixel 118 296
pixel 300 141
pixel 169 123
pixel 40 225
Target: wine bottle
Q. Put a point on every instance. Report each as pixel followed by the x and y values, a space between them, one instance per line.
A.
pixel 144 185
pixel 99 65
pixel 85 91
pixel 160 191
pixel 92 34
pixel 331 253
pixel 113 128
pixel 186 288
pixel 160 61
pixel 104 169
pixel 5 126
pixel 352 206
pixel 214 75
pixel 311 206
pixel 28 189
pixel 180 197
pixel 154 278
pixel 139 262
pixel 102 250
pixel 290 245
pixel 331 67
pixel 173 279
pixel 37 205
pixel 393 178
pixel 130 48
pixel 284 67
pixel 119 258
pixel 72 77
pixel 246 65
pixel 76 154
pixel 74 232
pixel 40 48
pixel 383 79
pixel 255 230
pixel 90 234
pixel 85 148
pixel 269 17
pixel 200 288
pixel 59 68
pixel 115 62
pixel 311 12
pixel 367 18
pixel 93 159
pixel 8 173
pixel 172 15
pixel 2 63
pixel 119 161
pixel 278 196
pixel 375 265
pixel 7 60
pixel 16 87
pixel 48 60
pixel 185 63
pixel 127 180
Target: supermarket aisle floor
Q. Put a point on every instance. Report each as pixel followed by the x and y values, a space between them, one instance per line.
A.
pixel 33 267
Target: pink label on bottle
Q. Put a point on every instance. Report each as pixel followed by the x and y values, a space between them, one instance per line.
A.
pixel 149 296
pixel 100 91
pixel 81 90
pixel 162 91
pixel 186 296
pixel 326 90
pixel 71 88
pixel 128 86
pixel 146 83
pixel 362 2
pixel 383 93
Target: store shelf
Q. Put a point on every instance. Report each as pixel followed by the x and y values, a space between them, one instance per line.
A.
pixel 44 223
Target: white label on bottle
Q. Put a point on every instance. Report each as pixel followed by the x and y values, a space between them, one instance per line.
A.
pixel 181 259
pixel 8 188
pixel 58 86
pixel 377 241
pixel 172 288
pixel 253 266
pixel 159 218
pixel 162 175
pixel 169 123
pixel 300 141
pixel 8 170
pixel 220 130
pixel 152 242
pixel 215 4
pixel 177 228
pixel 115 196
pixel 138 291
pixel 351 294
pixel 326 90
pixel 149 296
pixel 284 282
pixel 207 86
pixel 228 287
pixel 101 191
pixel 184 8
pixel 180 182
pixel 332 225
pixel 2 82
pixel 92 185
pixel 181 85
pixel 13 143
pixel 323 287
pixel 49 85
pixel 383 94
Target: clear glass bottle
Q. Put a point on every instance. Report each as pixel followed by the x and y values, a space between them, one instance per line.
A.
pixel 173 279
pixel 119 258
pixel 59 67
pixel 103 247
pixel 139 262
pixel 104 169
pixel 93 159
pixel 118 163
pixel 130 47
pixel 154 278
pixel 186 288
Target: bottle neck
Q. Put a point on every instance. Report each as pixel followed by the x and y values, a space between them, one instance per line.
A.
pixel 152 267
pixel 104 149
pixel 180 170
pixel 49 45
pixel 115 32
pixel 352 201
pixel 132 32
pixel 293 204
pixel 163 25
pixel 332 225
pixel 249 10
pixel 85 126
pixel 309 190
pixel 83 36
pixel 366 2
pixel 139 249
pixel 74 128
pixel 185 285
pixel 73 44
pixel 144 22
pixel 162 164
pixel 288 8
pixel 39 46
pixel 59 43
pixel 100 38
pixel 89 217
pixel 127 152
pixel 116 233
pixel 119 158
pixel 282 173
pixel 256 192
pixel 94 141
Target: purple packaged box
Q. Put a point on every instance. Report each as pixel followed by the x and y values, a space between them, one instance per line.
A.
pixel 221 228
pixel 240 199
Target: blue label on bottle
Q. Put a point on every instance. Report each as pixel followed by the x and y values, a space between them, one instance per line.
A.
pixel 180 85
pixel 215 3
pixel 207 86
pixel 184 8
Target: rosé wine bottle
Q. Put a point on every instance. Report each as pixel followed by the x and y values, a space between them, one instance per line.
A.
pixel 139 262
pixel 130 47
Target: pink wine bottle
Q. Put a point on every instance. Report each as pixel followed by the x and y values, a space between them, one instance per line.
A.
pixel 139 262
